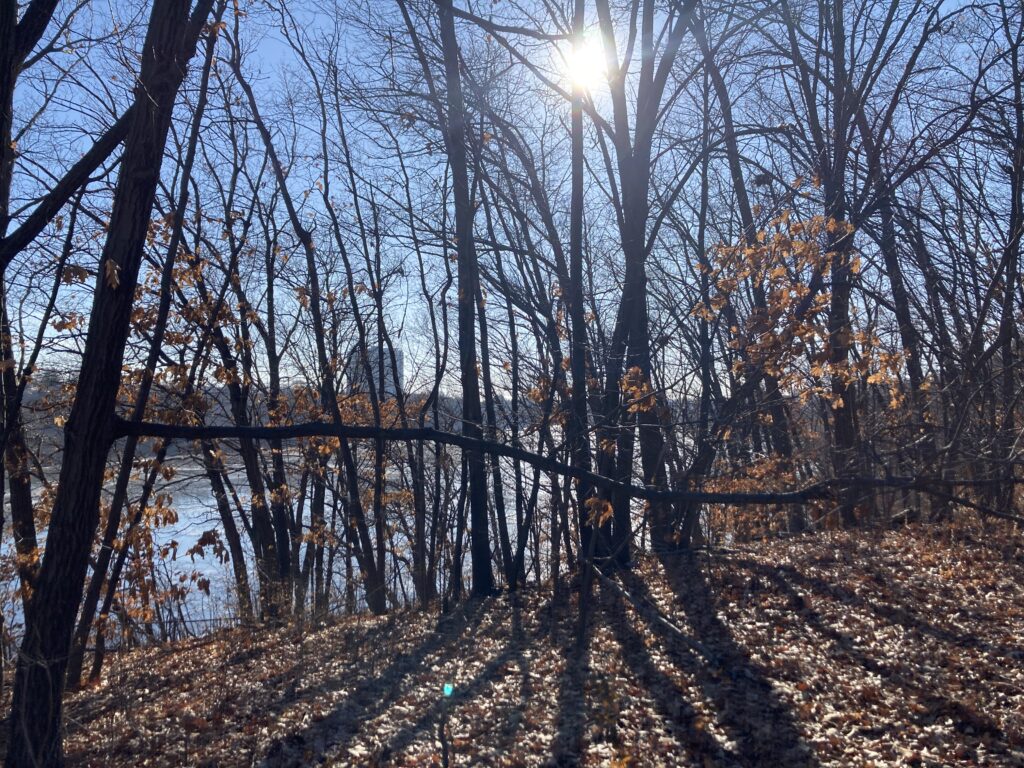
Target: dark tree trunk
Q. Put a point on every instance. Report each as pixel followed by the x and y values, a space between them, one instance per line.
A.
pixel 215 473
pixel 579 441
pixel 469 289
pixel 36 709
pixel 92 593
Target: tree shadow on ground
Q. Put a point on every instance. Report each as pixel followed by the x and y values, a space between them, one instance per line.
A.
pixel 505 733
pixel 760 727
pixel 375 692
pixel 901 607
pixel 433 716
pixel 678 714
pixel 568 744
pixel 932 705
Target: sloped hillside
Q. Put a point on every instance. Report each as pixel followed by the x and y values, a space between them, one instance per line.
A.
pixel 902 648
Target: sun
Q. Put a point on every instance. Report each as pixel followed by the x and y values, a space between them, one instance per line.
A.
pixel 585 64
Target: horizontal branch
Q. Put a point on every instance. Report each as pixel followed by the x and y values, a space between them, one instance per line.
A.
pixel 822 490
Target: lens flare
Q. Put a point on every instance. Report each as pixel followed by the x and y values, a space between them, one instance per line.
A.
pixel 585 64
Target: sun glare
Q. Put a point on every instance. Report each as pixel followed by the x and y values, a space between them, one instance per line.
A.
pixel 585 65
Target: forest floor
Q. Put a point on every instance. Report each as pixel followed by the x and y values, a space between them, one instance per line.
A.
pixel 837 649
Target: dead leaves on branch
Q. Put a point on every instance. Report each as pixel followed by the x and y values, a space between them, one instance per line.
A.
pixel 784 333
pixel 112 273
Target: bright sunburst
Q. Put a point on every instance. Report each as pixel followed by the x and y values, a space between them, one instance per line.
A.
pixel 585 64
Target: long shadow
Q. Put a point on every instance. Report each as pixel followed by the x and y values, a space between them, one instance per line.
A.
pixel 432 717
pixel 572 717
pixel 152 685
pixel 678 714
pixel 902 613
pixel 935 706
pixel 365 701
pixel 758 722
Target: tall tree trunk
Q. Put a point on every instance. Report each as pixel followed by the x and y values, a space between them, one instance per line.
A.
pixel 780 429
pixel 39 681
pixel 1008 329
pixel 579 442
pixel 497 485
pixel 16 459
pixel 92 593
pixel 845 454
pixel 469 289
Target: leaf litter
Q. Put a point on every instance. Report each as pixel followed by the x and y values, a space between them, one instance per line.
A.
pixel 837 649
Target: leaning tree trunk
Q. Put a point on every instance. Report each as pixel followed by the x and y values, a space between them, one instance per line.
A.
pixel 102 564
pixel 36 709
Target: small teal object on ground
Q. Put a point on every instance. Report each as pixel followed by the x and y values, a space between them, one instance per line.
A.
pixel 448 689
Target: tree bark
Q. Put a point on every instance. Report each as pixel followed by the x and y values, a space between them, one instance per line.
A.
pixel 36 712
pixel 469 289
